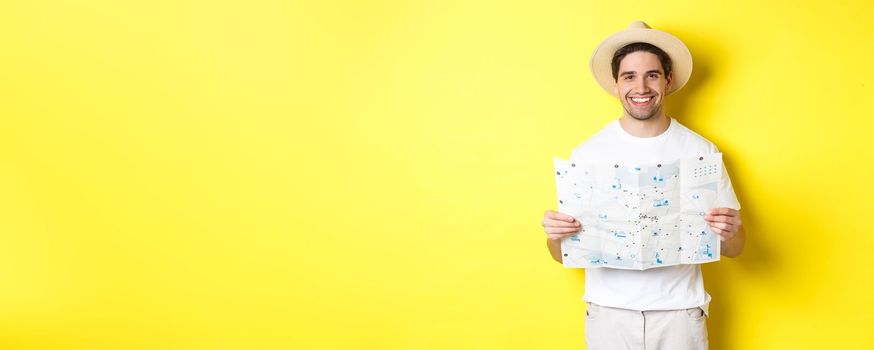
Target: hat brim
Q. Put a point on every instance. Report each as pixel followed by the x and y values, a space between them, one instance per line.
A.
pixel 681 58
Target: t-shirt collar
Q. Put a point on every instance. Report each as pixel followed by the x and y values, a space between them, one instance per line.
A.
pixel 645 140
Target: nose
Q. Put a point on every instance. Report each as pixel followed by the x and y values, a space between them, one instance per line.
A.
pixel 640 86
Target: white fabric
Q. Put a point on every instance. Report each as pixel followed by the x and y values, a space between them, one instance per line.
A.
pixel 619 329
pixel 664 288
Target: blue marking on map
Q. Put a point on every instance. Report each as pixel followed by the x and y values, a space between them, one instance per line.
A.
pixel 658 258
pixel 660 203
pixel 619 234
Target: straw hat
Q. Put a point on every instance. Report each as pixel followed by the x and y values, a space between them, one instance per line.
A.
pixel 638 31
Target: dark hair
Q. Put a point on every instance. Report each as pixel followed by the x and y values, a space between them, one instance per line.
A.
pixel 634 47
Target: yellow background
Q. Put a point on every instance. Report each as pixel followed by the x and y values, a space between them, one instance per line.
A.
pixel 372 174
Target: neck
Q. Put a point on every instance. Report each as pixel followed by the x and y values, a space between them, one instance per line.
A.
pixel 651 127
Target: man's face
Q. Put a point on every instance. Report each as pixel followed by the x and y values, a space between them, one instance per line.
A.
pixel 641 85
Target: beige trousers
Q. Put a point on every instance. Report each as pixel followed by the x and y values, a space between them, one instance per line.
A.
pixel 612 329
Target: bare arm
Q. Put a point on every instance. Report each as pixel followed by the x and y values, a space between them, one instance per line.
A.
pixel 734 246
pixel 554 247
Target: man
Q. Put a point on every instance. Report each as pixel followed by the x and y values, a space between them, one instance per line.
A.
pixel 665 307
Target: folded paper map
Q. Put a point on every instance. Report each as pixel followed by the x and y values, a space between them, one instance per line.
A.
pixel 640 216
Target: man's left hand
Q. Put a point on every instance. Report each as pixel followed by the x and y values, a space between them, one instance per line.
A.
pixel 725 222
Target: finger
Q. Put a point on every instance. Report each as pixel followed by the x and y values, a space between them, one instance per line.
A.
pixel 722 226
pixel 723 211
pixel 560 230
pixel 559 223
pixel 717 218
pixel 559 236
pixel 559 216
pixel 725 235
pixel 556 237
pixel 733 221
pixel 719 233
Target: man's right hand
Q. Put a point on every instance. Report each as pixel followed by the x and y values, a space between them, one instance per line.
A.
pixel 558 226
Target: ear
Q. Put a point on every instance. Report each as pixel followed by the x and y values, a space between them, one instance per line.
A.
pixel 615 88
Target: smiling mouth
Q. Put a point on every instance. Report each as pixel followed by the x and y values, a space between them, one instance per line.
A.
pixel 641 101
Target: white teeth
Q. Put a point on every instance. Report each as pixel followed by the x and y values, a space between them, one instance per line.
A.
pixel 641 99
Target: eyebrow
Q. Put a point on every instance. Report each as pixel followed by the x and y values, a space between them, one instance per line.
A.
pixel 647 72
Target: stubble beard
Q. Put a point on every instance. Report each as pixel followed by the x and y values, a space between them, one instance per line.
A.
pixel 642 116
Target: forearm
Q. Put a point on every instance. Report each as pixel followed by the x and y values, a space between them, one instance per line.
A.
pixel 554 249
pixel 734 246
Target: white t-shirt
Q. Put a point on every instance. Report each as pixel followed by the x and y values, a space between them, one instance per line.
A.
pixel 663 288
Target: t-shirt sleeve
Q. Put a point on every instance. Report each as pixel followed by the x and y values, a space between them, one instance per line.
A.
pixel 576 155
pixel 727 198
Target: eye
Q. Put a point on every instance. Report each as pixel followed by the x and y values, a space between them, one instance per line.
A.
pixel 654 76
pixel 627 77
